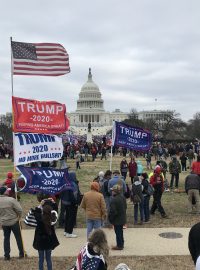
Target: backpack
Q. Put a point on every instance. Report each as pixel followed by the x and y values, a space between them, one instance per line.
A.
pixel 136 199
pixel 135 194
pixel 150 190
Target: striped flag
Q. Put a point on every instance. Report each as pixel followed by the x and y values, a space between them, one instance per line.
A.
pixel 40 59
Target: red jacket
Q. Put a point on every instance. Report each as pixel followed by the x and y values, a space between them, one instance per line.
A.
pixel 10 186
pixel 132 166
pixel 196 167
pixel 156 180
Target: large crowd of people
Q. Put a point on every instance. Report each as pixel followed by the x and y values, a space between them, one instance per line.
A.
pixel 105 203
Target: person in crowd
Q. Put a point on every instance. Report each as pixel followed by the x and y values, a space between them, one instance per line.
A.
pixel 86 151
pixel 103 152
pixel 174 170
pixel 148 160
pixel 132 167
pixel 137 198
pixel 78 159
pixel 192 188
pixel 70 199
pixel 100 179
pixel 139 168
pixel 163 165
pixel 10 184
pixel 63 164
pixel 196 166
pixel 117 179
pixel 45 239
pixel 124 167
pixel 146 196
pixel 10 214
pixel 106 194
pixel 117 215
pixel 191 157
pixel 93 152
pixel 94 204
pixel 124 151
pixel 94 255
pixel 157 182
pixel 194 244
pixel 183 159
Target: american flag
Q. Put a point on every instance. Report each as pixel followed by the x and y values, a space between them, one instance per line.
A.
pixel 86 261
pixel 40 59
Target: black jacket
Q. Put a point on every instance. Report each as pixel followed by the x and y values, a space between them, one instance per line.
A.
pixel 42 240
pixel 117 213
pixel 192 181
pixel 194 242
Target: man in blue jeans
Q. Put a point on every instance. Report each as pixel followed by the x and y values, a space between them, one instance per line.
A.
pixel 10 213
pixel 117 215
pixel 94 205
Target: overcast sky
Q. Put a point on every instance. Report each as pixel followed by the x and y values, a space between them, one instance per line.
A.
pixel 139 51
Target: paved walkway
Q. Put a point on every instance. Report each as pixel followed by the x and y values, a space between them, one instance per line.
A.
pixel 138 242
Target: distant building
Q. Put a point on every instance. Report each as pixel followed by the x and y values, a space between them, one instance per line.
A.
pixel 90 109
pixel 160 115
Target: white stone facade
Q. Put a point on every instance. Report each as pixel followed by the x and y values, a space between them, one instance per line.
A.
pixel 90 109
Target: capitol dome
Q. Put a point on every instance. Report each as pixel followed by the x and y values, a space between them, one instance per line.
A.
pixel 90 109
pixel 90 85
pixel 90 96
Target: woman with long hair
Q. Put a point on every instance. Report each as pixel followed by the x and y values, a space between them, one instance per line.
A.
pixel 94 255
pixel 45 239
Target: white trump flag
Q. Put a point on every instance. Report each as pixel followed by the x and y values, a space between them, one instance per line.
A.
pixel 34 147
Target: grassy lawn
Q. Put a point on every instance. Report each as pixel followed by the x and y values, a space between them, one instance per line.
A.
pixel 175 205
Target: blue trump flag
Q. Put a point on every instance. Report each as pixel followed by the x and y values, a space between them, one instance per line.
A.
pixel 46 180
pixel 131 137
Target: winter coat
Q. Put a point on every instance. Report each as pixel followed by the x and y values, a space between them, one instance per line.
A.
pixel 139 167
pixel 183 159
pixel 192 181
pixel 42 240
pixel 196 167
pixel 94 204
pixel 137 189
pixel 117 213
pixel 117 180
pixel 174 167
pixel 124 166
pixel 156 180
pixel 145 184
pixel 194 241
pixel 10 211
pixel 132 166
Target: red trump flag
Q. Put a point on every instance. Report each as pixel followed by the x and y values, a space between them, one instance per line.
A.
pixel 40 59
pixel 39 116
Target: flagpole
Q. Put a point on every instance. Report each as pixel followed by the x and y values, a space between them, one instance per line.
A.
pixel 12 92
pixel 111 155
pixel 111 150
pixel 11 66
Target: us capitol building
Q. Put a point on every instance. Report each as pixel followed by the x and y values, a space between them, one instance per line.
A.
pixel 90 109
